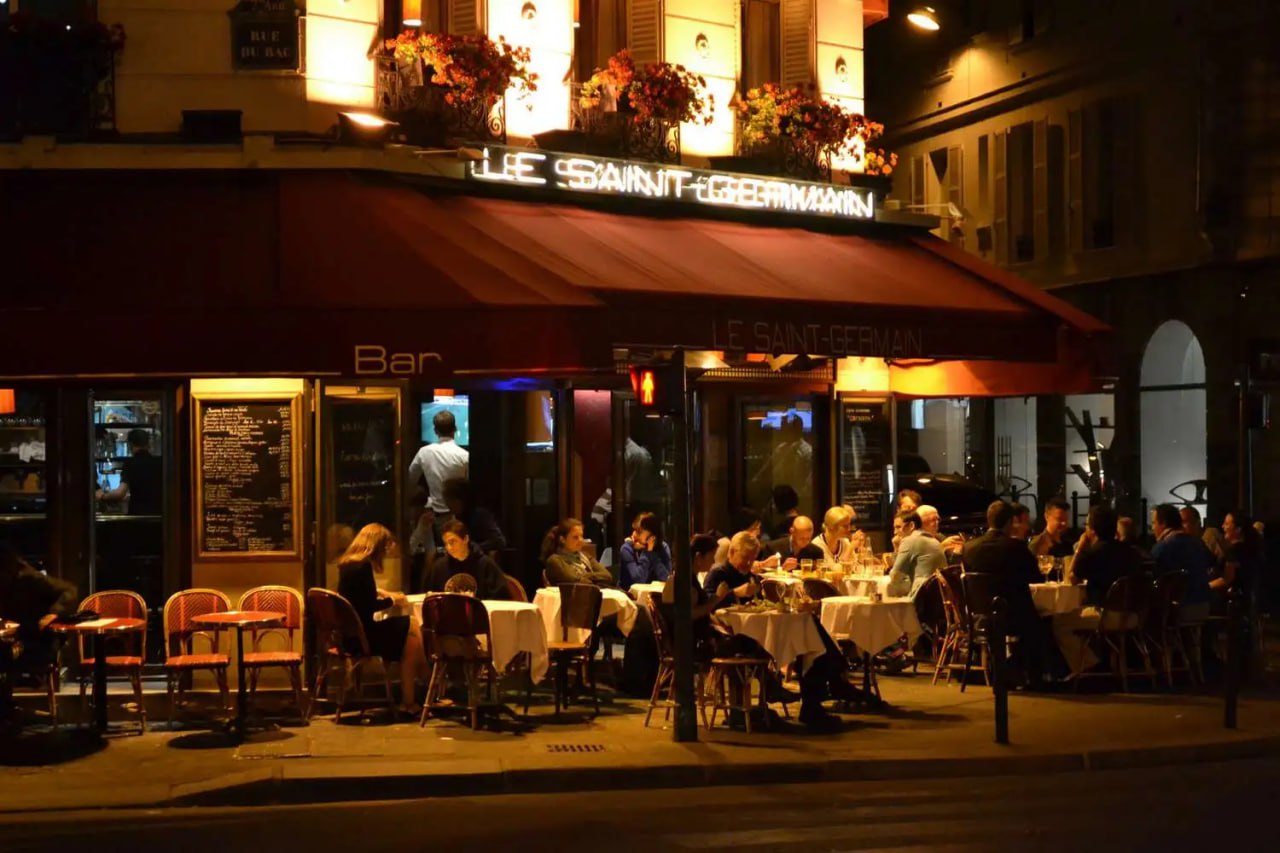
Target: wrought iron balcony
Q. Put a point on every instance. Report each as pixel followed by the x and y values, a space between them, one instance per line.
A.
pixel 425 113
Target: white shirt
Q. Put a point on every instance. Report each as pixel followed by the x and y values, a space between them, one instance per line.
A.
pixel 439 462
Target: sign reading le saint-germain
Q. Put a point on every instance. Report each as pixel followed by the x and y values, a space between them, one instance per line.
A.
pixel 264 35
pixel 628 178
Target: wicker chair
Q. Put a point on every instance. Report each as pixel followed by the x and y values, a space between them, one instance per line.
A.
pixel 1123 618
pixel 454 625
pixel 818 589
pixel 128 661
pixel 956 635
pixel 340 636
pixel 580 605
pixel 515 589
pixel 180 634
pixel 772 589
pixel 277 599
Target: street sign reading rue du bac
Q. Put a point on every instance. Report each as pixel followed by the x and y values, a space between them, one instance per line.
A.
pixel 264 35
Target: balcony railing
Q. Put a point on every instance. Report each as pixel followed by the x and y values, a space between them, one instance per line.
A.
pixel 786 156
pixel 620 132
pixel 426 117
pixel 56 86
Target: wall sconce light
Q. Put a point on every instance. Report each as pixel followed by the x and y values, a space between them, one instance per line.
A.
pixel 842 70
pixel 924 18
pixel 702 45
pixel 411 15
pixel 528 11
pixel 364 129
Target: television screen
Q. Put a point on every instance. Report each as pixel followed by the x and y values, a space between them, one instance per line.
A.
pixel 459 405
pixel 775 419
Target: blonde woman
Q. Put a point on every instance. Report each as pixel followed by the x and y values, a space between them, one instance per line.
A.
pixel 838 540
pixel 398 638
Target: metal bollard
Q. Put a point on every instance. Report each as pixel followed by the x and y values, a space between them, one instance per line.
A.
pixel 997 630
pixel 1231 680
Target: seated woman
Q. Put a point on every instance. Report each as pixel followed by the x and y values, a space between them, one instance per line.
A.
pixel 645 557
pixel 462 557
pixel 398 638
pixel 33 600
pixel 1242 563
pixel 564 560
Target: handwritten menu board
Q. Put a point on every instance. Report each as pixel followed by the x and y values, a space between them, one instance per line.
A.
pixel 363 436
pixel 246 477
pixel 865 447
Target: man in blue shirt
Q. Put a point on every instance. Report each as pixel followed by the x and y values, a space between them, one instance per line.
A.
pixel 1177 551
pixel 735 572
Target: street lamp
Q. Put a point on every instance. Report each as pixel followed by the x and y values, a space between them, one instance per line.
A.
pixel 924 18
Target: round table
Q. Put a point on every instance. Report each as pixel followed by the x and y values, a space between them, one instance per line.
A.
pixel 871 625
pixel 99 630
pixel 616 602
pixel 849 585
pixel 785 636
pixel 515 627
pixel 1052 599
pixel 641 591
pixel 239 620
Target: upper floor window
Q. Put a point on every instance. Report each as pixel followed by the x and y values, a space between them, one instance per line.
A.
pixel 600 32
pixel 761 44
pixel 1104 171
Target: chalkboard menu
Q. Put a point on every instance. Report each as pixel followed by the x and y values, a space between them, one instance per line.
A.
pixel 362 458
pixel 246 477
pixel 866 444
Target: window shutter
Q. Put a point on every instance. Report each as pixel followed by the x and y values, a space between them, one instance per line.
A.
pixel 1128 172
pixel 1040 188
pixel 797 43
pixel 644 30
pixel 465 18
pixel 1000 196
pixel 1075 181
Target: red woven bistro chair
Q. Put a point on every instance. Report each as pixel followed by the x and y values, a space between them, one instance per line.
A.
pixel 180 634
pixel 130 650
pixel 515 589
pixel 340 638
pixel 276 599
pixel 454 625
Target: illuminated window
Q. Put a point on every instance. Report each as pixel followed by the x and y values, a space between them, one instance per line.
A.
pixel 1173 418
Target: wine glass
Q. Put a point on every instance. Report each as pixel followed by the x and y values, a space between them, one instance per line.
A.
pixel 1045 564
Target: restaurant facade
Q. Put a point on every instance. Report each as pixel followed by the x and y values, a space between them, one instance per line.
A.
pixel 261 329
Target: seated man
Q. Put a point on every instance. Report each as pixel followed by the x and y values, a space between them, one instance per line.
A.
pixel 1013 568
pixel 931 523
pixel 798 537
pixel 1177 551
pixel 33 600
pixel 1100 563
pixel 1055 541
pixel 462 558
pixel 919 555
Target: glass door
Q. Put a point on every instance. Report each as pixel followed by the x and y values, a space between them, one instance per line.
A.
pixel 362 469
pixel 131 452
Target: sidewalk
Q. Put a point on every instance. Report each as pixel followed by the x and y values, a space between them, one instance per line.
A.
pixel 929 732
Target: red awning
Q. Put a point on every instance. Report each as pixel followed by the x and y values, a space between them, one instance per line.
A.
pixel 303 272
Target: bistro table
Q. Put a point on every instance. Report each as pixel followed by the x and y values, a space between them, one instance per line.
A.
pixel 785 636
pixel 616 602
pixel 849 585
pixel 99 630
pixel 239 620
pixel 515 627
pixel 641 591
pixel 1052 599
pixel 871 626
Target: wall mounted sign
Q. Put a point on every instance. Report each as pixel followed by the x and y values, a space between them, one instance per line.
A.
pixel 264 35
pixel 834 339
pixel 866 442
pixel 702 187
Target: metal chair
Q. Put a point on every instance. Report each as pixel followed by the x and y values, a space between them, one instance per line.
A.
pixel 454 624
pixel 580 605
pixel 180 634
pixel 1123 617
pixel 117 604
pixel 276 599
pixel 340 635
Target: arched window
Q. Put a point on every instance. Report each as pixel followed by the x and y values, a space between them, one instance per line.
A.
pixel 1173 418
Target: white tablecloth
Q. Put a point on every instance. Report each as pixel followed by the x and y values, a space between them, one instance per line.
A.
pixel 514 627
pixel 1054 598
pixel 641 591
pixel 860 585
pixel 872 625
pixel 785 636
pixel 547 600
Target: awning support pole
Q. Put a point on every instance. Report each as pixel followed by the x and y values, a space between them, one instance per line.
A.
pixel 686 730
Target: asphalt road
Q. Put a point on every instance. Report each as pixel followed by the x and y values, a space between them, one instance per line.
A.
pixel 1207 807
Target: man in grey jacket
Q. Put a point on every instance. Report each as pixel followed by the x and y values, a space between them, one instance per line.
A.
pixel 918 556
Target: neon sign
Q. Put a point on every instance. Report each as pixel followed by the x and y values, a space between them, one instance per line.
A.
pixel 630 179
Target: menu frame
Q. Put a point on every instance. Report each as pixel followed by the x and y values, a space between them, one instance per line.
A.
pixel 297 417
pixel 886 416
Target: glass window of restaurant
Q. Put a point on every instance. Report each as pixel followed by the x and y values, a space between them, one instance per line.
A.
pixel 778 438
pixel 1095 416
pixel 24 474
pixel 1016 454
pixel 936 434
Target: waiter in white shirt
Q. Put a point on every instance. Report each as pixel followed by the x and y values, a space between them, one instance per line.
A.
pixel 436 463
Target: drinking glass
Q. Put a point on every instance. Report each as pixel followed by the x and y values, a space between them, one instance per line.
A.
pixel 806 568
pixel 1045 564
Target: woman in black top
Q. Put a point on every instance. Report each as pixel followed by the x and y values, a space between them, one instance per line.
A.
pixel 1242 565
pixel 398 638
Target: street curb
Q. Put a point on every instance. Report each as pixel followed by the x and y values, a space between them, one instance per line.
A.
pixel 280 789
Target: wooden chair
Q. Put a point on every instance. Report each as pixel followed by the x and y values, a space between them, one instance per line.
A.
pixel 1123 619
pixel 979 593
pixel 180 634
pixel 580 605
pixel 128 661
pixel 277 599
pixel 955 637
pixel 515 589
pixel 664 684
pixel 454 625
pixel 340 636
pixel 1163 632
